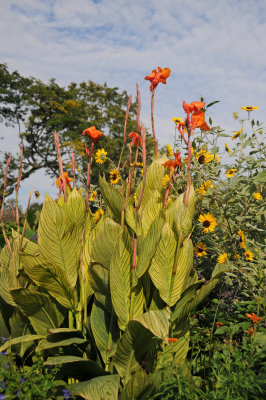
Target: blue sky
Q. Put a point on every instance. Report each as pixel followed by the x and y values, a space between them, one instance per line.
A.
pixel 215 49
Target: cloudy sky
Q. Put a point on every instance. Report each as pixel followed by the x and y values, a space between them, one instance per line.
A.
pixel 215 49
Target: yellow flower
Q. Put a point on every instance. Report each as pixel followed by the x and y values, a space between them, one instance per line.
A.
pixel 227 149
pixel 169 151
pixel 237 257
pixel 249 108
pixel 235 115
pixel 260 130
pixel 204 157
pixel 200 249
pixel 37 194
pixel 165 180
pixel 137 164
pixel 237 133
pixel 230 172
pixel 93 195
pixel 249 255
pixel 97 215
pixel 191 152
pixel 101 156
pixel 208 221
pixel 177 121
pixel 242 238
pixel 257 196
pixel 204 187
pixel 135 197
pixel 222 258
pixel 114 177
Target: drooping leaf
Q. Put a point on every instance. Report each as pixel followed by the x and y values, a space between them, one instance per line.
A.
pixel 20 339
pixel 100 388
pixel 156 321
pixel 139 387
pixel 75 209
pixel 112 197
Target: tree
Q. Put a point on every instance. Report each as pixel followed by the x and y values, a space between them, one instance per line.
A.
pixel 40 108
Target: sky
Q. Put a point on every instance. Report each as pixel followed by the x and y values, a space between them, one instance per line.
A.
pixel 215 49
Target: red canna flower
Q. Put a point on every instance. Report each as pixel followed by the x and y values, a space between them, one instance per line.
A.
pixel 173 164
pixel 136 139
pixel 60 180
pixel 158 76
pixel 197 115
pixel 172 340
pixel 250 331
pixel 218 324
pixel 93 133
pixel 254 318
pixel 192 107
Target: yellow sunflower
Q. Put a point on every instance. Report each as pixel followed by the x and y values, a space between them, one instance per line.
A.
pixel 101 156
pixel 208 222
pixel 249 255
pixel 257 196
pixel 165 180
pixel 235 115
pixel 222 258
pixel 169 151
pixel 114 177
pixel 204 187
pixel 249 108
pixel 242 239
pixel 93 195
pixel 200 249
pixel 191 152
pixel 97 215
pixel 227 149
pixel 237 133
pixel 177 121
pixel 203 157
pixel 230 172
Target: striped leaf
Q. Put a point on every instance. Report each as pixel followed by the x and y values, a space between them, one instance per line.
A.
pixel 103 241
pixel 105 330
pixel 21 339
pixel 56 245
pixel 147 248
pixel 151 211
pixel 100 388
pixel 120 278
pixel 54 280
pixel 140 386
pixel 20 326
pixel 131 349
pixel 75 209
pixel 37 307
pixel 184 214
pixel 99 281
pixel 112 197
pixel 156 321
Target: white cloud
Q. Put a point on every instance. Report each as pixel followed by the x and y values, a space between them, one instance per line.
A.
pixel 215 49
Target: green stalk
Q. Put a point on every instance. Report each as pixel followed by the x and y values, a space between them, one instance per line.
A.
pixel 109 342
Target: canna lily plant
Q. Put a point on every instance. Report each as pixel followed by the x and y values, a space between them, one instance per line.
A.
pixel 108 300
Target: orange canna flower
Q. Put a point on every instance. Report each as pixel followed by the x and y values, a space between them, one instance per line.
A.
pixel 172 340
pixel 136 139
pixel 158 76
pixel 251 331
pixel 93 133
pixel 218 324
pixel 197 115
pixel 173 164
pixel 60 180
pixel 254 318
pixel 192 107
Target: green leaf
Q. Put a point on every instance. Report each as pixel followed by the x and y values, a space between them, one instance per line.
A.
pixel 20 326
pixel 212 103
pixel 54 280
pixel 37 307
pixel 151 212
pixel 139 387
pixel 120 278
pixel 131 348
pixel 156 321
pixel 46 344
pixel 20 339
pixel 260 177
pixel 100 388
pixel 147 248
pixel 75 209
pixel 112 197
pixel 103 241
pixel 56 245
pixel 99 280
pixel 184 214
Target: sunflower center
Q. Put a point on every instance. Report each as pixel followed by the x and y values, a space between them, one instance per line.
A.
pixel 200 250
pixel 201 159
pixel 206 224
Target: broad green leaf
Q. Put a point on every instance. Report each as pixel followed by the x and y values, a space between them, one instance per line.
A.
pixel 7 282
pixel 105 330
pixel 260 177
pixel 76 367
pixel 37 307
pixel 156 321
pixel 103 241
pixel 54 280
pixel 112 197
pixel 187 296
pixel 147 247
pixel 20 326
pixel 20 339
pixel 139 387
pixel 184 214
pixel 120 278
pixel 99 280
pixel 46 344
pixel 131 349
pixel 151 212
pixel 56 245
pixel 75 209
pixel 174 353
pixel 100 388
pixel 4 332
pixel 139 300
